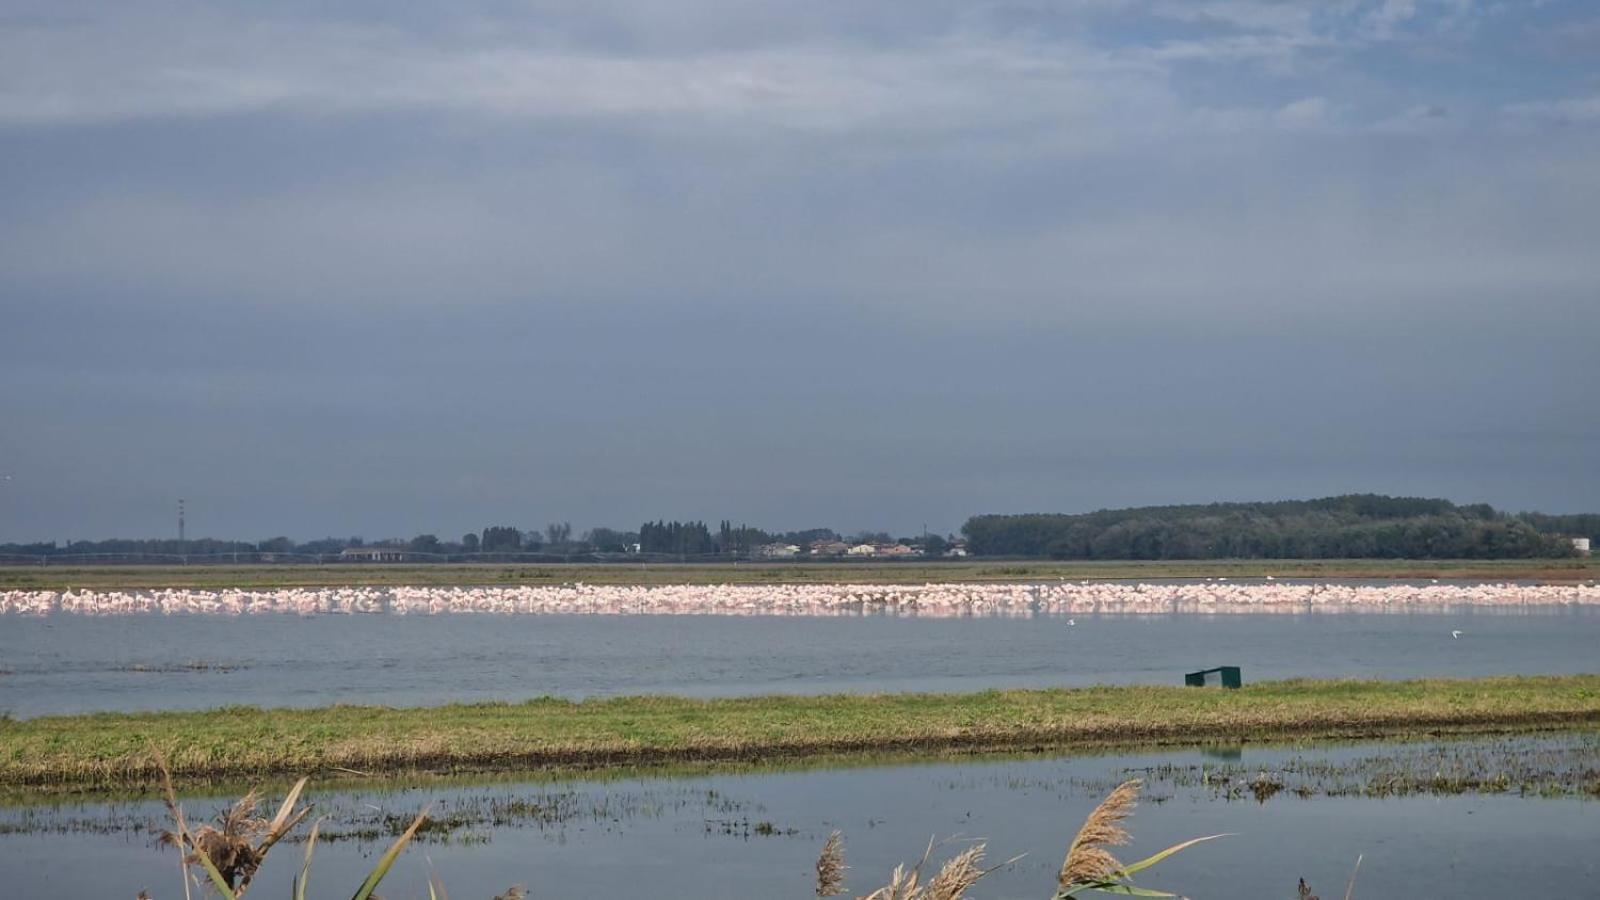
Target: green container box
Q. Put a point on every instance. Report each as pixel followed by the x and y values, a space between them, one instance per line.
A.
pixel 1223 676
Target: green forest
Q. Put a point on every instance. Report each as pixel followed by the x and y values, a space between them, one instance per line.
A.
pixel 1353 526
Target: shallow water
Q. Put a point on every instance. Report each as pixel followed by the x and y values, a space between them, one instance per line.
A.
pixel 757 834
pixel 64 663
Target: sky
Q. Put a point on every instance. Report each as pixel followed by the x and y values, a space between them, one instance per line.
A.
pixel 380 268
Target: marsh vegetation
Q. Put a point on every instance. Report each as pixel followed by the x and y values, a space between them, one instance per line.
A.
pixel 110 749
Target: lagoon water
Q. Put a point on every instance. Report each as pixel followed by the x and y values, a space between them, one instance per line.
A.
pixel 757 834
pixel 744 834
pixel 65 663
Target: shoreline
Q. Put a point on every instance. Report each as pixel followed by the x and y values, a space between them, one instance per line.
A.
pixel 284 575
pixel 109 750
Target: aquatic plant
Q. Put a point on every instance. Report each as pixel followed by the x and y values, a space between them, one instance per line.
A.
pixel 228 852
pixel 231 851
pixel 1088 866
pixel 1304 891
pixel 830 867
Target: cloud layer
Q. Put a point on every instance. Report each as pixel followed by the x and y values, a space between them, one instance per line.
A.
pixel 374 270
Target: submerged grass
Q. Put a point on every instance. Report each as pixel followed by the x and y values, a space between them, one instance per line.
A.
pixel 110 750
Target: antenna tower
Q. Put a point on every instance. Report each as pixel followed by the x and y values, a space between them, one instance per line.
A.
pixel 180 521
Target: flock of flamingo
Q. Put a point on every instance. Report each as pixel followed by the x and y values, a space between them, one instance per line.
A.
pixel 1064 597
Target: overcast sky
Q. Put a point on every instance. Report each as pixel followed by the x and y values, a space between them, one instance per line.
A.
pixel 378 268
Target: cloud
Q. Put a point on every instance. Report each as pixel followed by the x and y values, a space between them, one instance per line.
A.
pixel 681 258
pixel 1579 38
pixel 1569 111
pixel 832 68
pixel 1308 112
pixel 121 70
pixel 1385 20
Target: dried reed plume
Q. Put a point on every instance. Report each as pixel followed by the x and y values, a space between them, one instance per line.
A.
pixel 902 886
pixel 230 844
pixel 959 873
pixel 956 875
pixel 237 844
pixel 830 867
pixel 1087 859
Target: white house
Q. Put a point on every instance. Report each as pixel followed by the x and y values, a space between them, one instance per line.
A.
pixel 862 550
pixel 372 554
pixel 779 551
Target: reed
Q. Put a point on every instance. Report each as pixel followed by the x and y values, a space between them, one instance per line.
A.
pixel 229 852
pixel 830 867
pixel 1087 859
pixel 1087 866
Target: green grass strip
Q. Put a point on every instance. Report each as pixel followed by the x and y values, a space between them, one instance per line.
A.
pixel 116 749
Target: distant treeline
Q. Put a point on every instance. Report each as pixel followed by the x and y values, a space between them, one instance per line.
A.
pixel 1354 526
pixel 662 538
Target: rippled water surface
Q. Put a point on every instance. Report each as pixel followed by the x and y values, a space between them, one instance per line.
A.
pixel 60 663
pixel 757 834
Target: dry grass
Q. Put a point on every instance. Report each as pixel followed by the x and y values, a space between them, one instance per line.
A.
pixel 951 882
pixel 1087 859
pixel 112 750
pixel 956 875
pixel 830 867
pixel 239 841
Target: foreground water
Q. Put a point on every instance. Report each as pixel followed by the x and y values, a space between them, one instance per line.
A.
pixel 1467 819
pixel 65 663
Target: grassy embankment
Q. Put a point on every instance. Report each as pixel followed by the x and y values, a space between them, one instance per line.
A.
pixel 116 749
pixel 294 575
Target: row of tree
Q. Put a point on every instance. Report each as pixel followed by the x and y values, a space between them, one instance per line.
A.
pixel 660 537
pixel 1355 526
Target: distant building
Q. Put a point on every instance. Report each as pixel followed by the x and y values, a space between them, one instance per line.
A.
pixel 862 550
pixel 1581 545
pixel 778 551
pixel 372 554
pixel 829 548
pixel 959 548
pixel 896 550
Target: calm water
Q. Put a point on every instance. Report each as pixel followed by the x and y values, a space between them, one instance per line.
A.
pixel 702 837
pixel 69 664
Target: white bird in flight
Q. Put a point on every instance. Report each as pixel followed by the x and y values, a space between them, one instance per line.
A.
pixel 1456 633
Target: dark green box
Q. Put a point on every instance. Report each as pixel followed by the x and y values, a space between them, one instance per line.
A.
pixel 1226 676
